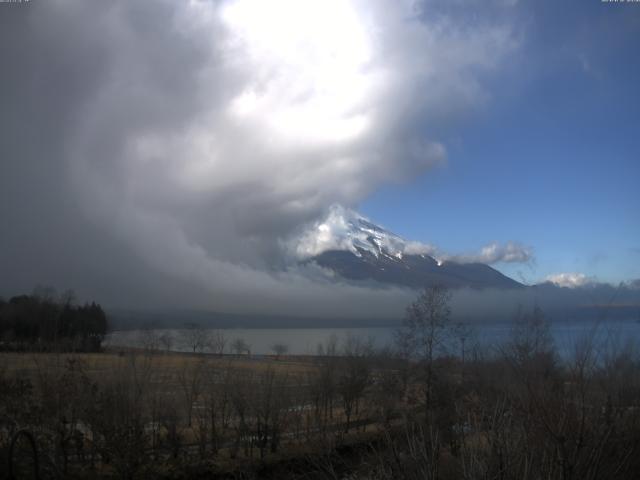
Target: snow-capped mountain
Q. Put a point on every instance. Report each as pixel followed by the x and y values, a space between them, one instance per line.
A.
pixel 346 230
pixel 357 249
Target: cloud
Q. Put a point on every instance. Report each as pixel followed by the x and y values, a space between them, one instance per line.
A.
pixel 570 280
pixel 345 230
pixel 510 252
pixel 419 248
pixel 169 147
pixel 581 303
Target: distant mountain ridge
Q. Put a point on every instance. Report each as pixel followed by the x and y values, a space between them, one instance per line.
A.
pixel 356 249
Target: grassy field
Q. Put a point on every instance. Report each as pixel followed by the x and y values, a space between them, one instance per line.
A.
pixel 172 407
pixel 149 414
pixel 97 364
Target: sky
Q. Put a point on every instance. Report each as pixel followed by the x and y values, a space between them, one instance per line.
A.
pixel 552 159
pixel 160 153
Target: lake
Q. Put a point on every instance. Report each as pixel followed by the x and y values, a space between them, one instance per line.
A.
pixel 610 335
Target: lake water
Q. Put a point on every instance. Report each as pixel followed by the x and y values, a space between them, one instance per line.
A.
pixel 611 336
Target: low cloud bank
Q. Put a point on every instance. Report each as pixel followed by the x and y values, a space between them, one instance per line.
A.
pixel 592 301
pixel 570 280
pixel 510 252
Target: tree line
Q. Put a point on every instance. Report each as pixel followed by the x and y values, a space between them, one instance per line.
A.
pixel 45 321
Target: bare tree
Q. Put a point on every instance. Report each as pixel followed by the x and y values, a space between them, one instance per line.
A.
pixel 217 342
pixel 195 337
pixel 387 395
pixel 166 340
pixel 280 349
pixel 149 339
pixel 217 401
pixel 242 393
pixel 530 336
pixel 268 407
pixel 354 376
pixel 329 348
pixel 425 328
pixel 462 333
pixel 117 416
pixel 190 378
pixel 240 346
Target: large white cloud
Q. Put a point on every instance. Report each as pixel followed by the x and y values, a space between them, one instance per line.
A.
pixel 202 133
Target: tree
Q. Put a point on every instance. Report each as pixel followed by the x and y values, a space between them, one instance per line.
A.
pixel 117 416
pixel 149 339
pixel 462 333
pixel 531 342
pixel 425 328
pixel 329 348
pixel 217 342
pixel 166 340
pixel 190 378
pixel 195 337
pixel 279 349
pixel 45 321
pixel 217 403
pixel 354 376
pixel 240 346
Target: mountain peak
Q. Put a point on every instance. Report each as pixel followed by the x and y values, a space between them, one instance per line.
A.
pixel 355 248
pixel 346 230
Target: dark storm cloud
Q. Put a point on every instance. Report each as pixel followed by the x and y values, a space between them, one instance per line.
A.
pixel 158 152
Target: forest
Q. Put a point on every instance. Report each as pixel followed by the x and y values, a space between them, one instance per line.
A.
pixel 44 321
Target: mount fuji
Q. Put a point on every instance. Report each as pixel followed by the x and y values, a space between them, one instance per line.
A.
pixel 354 248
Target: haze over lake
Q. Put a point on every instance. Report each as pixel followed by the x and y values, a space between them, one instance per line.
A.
pixel 305 341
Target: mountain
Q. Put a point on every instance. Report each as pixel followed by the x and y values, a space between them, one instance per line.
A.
pixel 356 249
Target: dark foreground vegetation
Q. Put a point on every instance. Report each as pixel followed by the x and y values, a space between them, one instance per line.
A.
pixel 514 412
pixel 44 321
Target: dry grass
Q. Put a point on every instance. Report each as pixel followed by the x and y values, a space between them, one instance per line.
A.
pixel 28 364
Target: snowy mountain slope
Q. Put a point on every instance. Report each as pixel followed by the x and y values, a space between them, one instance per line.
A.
pixel 346 230
pixel 356 249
